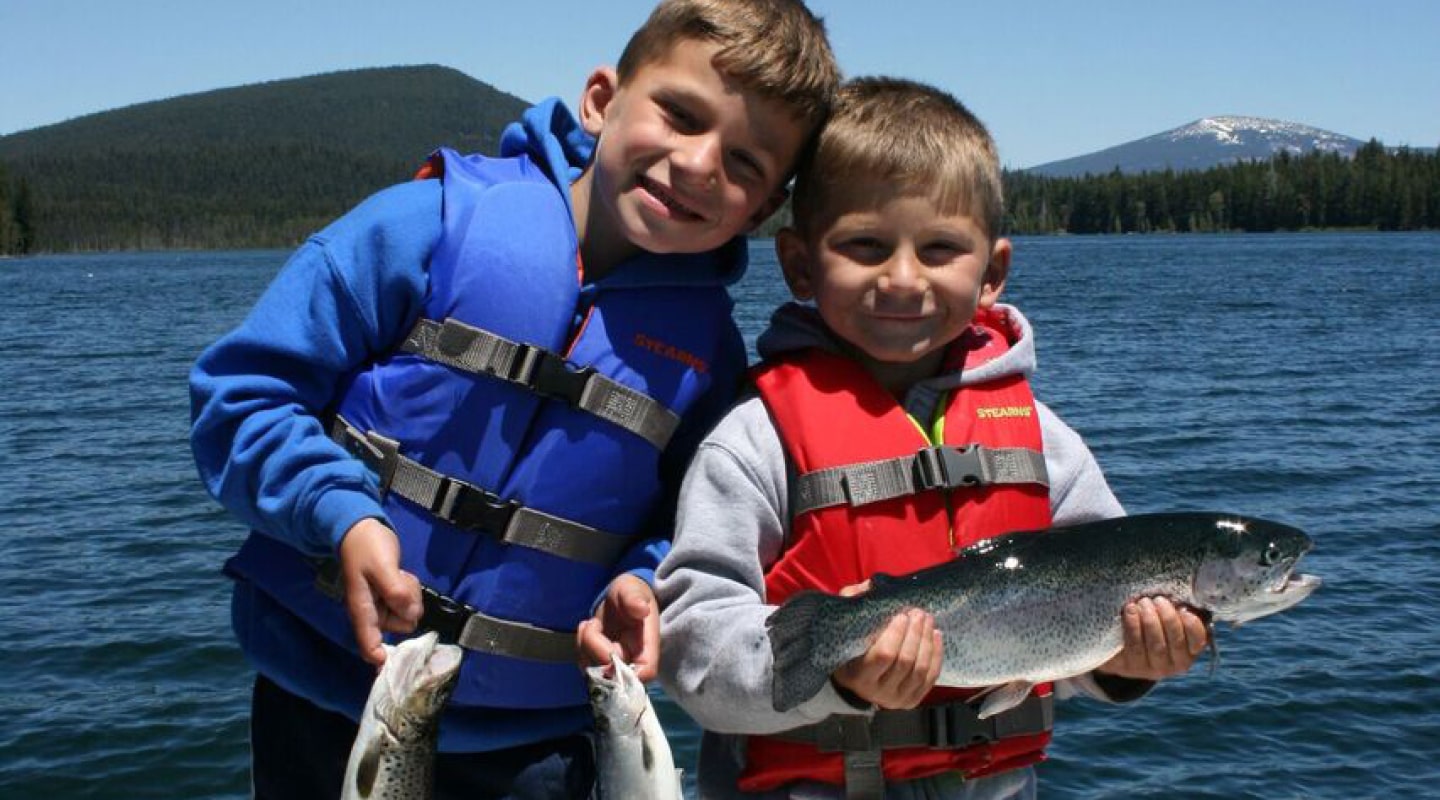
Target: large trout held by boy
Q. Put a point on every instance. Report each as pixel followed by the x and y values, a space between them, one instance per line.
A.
pixel 393 757
pixel 1031 607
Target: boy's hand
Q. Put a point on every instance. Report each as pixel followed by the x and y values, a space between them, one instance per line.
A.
pixel 901 665
pixel 378 594
pixel 628 620
pixel 1161 640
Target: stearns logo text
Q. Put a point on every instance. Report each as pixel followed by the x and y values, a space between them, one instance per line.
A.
pixel 672 352
pixel 1004 412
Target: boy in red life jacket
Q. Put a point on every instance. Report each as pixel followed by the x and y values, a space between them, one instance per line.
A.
pixel 466 404
pixel 895 239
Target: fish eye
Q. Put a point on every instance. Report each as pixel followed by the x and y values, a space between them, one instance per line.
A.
pixel 1271 555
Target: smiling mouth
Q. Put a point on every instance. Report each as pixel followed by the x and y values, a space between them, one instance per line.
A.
pixel 663 196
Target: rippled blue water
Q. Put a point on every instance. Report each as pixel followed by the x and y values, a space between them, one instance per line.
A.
pixel 1295 377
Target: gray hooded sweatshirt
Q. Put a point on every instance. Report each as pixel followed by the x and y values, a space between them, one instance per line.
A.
pixel 733 523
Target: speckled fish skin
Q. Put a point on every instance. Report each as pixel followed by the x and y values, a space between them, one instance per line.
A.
pixel 393 757
pixel 632 754
pixel 1032 607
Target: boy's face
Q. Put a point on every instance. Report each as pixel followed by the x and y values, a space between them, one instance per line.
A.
pixel 896 278
pixel 686 158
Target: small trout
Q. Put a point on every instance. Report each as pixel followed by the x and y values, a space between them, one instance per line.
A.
pixel 1031 607
pixel 633 755
pixel 393 757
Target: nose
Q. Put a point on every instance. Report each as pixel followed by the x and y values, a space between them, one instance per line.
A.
pixel 698 160
pixel 902 273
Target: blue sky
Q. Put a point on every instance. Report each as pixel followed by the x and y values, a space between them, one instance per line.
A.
pixel 1051 79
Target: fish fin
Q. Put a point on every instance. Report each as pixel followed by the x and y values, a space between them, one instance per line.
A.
pixel 369 768
pixel 1004 697
pixel 796 677
pixel 679 782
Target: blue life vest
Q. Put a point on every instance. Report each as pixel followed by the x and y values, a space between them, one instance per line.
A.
pixel 507 264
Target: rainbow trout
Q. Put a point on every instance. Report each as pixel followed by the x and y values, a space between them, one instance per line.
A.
pixel 1026 608
pixel 393 757
pixel 633 759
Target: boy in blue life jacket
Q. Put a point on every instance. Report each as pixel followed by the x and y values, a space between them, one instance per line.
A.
pixel 464 405
pixel 816 481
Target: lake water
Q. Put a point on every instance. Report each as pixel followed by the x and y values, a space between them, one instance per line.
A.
pixel 1295 377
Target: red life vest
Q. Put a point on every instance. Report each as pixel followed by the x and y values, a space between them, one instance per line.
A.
pixel 829 412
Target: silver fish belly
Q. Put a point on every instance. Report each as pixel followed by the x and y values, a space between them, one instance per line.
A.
pixel 1038 606
pixel 393 757
pixel 633 755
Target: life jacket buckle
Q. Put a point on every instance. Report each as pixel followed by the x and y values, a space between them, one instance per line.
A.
pixel 556 378
pixel 956 725
pixel 444 615
pixel 945 467
pixel 473 509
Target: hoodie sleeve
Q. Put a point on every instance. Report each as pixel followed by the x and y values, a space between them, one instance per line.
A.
pixel 1078 489
pixel 716 660
pixel 258 393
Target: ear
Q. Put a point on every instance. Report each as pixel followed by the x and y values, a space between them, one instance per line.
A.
pixel 600 89
pixel 770 206
pixel 794 258
pixel 996 273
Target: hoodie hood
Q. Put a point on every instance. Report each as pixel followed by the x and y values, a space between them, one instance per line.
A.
pixel 551 137
pixel 978 355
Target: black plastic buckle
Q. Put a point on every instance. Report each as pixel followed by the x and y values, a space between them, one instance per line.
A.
pixel 444 615
pixel 473 509
pixel 948 467
pixel 554 377
pixel 957 725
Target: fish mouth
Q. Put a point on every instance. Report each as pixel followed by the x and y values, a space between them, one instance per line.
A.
pixel 427 664
pixel 621 687
pixel 1287 591
pixel 1290 581
pixel 1299 583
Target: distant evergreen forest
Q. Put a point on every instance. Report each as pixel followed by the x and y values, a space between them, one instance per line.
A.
pixel 1379 189
pixel 266 165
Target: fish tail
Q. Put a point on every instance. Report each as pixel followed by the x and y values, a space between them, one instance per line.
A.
pixel 793 627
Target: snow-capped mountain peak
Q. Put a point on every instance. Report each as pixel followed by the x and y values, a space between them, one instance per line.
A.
pixel 1205 143
pixel 1238 131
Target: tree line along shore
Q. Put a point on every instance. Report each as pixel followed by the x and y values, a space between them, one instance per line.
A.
pixel 272 196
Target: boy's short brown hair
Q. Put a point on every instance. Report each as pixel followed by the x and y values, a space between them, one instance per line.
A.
pixel 775 48
pixel 915 137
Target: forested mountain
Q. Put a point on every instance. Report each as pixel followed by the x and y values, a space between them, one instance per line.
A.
pixel 253 166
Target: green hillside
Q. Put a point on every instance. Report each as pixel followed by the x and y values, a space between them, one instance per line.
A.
pixel 253 166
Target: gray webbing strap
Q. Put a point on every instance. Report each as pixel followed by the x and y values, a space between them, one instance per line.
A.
pixel 472 508
pixel 467 348
pixel 950 726
pixel 459 623
pixel 473 630
pixel 489 634
pixel 864 775
pixel 941 467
